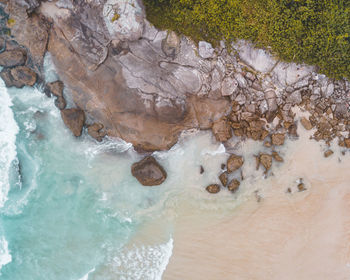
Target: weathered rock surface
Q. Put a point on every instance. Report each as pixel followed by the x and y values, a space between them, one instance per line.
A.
pixel 18 76
pixel 96 131
pixel 29 31
pixel 306 123
pixel 12 58
pixel 234 162
pixel 74 119
pixel 149 172
pixel 277 139
pixel 55 88
pixel 213 188
pixel 233 186
pixel 146 86
pixel 222 130
pixel 266 161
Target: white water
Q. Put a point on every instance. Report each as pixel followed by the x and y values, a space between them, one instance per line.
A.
pixel 8 132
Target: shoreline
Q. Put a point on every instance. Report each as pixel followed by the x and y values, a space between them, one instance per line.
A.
pixel 297 235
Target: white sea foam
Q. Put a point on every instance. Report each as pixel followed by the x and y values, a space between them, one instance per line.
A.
pixel 8 132
pixel 86 276
pixel 5 256
pixel 108 145
pixel 145 262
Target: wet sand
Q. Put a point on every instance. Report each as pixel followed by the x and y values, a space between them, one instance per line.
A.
pixel 298 235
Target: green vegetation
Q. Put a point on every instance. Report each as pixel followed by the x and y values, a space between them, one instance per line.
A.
pixel 115 17
pixel 316 32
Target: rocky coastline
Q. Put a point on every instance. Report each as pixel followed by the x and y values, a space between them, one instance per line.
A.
pixel 146 86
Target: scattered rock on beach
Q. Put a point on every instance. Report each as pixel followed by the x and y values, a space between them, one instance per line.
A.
pixel 234 162
pixel 74 119
pixel 277 139
pixel 301 187
pixel 266 161
pixel 201 169
pixel 277 157
pixel 213 188
pixel 148 172
pixel 223 178
pixel 347 142
pixel 233 186
pixel 328 153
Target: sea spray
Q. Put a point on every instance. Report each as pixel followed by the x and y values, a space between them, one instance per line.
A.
pixel 8 132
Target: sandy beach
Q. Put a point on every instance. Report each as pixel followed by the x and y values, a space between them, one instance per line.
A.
pixel 298 235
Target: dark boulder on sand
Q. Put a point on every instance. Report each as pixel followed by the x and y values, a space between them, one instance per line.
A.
pixel 149 172
pixel 213 188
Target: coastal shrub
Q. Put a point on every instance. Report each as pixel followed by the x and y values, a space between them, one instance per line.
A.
pixel 316 32
pixel 115 17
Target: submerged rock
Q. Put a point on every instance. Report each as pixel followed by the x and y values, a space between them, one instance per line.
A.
pixel 149 172
pixel 74 119
pixel 19 76
pixel 234 162
pixel 213 188
pixel 233 186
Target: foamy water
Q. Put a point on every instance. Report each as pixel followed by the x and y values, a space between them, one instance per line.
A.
pixel 72 210
pixel 8 131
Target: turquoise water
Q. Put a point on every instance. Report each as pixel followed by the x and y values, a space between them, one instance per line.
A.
pixel 69 207
pixel 68 204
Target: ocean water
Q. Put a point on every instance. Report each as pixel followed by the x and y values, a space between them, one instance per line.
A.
pixel 69 207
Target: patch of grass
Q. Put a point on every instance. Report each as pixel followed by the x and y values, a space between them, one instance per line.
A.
pixel 11 22
pixel 115 17
pixel 316 32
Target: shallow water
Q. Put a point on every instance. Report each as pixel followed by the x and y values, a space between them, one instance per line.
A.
pixel 70 209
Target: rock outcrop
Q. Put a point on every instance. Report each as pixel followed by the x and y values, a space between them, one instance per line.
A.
pixel 18 76
pixel 146 86
pixel 148 172
pixel 12 58
pixel 74 119
pixel 96 131
pixel 234 162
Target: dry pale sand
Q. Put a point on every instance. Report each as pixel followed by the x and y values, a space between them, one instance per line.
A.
pixel 302 235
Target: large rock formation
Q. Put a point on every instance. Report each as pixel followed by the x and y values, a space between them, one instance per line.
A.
pixel 19 76
pixel 74 119
pixel 146 85
pixel 148 172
